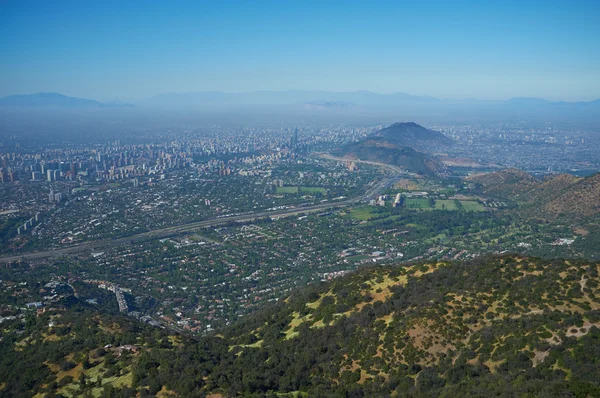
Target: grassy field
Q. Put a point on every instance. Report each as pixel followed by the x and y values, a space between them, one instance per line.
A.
pixel 363 213
pixel 408 185
pixel 471 205
pixel 313 189
pixel 445 205
pixel 286 189
pixel 358 257
pixel 417 204
pixel 301 189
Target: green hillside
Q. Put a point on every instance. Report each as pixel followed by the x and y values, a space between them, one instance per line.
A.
pixel 504 326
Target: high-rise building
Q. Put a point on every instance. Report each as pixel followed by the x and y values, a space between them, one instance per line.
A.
pixel 294 140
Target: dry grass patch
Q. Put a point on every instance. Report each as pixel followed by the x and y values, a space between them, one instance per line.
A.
pixel 74 372
pixel 315 304
pixel 296 321
pixel 424 338
pixel 165 393
pixel 54 368
pixel 492 365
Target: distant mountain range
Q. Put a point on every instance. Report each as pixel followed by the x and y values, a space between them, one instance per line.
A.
pixel 364 106
pixel 290 97
pixel 54 100
pixel 308 99
pixel 326 105
pixel 356 98
pixel 396 145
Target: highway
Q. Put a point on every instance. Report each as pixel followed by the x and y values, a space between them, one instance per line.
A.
pixel 174 230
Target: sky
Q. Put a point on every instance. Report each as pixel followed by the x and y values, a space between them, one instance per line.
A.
pixel 130 50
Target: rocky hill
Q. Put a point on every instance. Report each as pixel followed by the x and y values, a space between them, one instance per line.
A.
pixel 555 196
pixel 505 184
pixel 412 135
pixel 495 326
pixel 395 145
pixel 382 151
pixel 579 198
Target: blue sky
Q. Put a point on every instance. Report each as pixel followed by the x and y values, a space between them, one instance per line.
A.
pixel 451 49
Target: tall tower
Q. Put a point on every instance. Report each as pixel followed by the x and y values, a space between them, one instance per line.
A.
pixel 294 139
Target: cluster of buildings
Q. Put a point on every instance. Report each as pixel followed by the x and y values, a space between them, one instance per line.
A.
pixel 28 224
pixel 529 147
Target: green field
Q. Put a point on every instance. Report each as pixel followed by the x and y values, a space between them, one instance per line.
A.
pixel 313 189
pixel 286 189
pixel 445 205
pixel 417 204
pixel 363 213
pixel 471 205
pixel 301 189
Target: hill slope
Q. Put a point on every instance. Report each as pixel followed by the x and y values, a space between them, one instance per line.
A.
pixel 382 151
pixel 443 328
pixel 580 198
pixel 505 184
pixel 561 195
pixel 395 145
pixel 503 326
pixel 412 135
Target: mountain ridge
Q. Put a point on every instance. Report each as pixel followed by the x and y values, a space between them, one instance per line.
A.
pixel 49 99
pixel 492 326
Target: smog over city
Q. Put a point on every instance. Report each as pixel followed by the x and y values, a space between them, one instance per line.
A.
pixel 300 199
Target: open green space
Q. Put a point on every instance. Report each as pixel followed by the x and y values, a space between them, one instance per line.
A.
pixel 286 190
pixel 445 205
pixel 471 205
pixel 300 189
pixel 313 189
pixel 417 203
pixel 358 257
pixel 363 213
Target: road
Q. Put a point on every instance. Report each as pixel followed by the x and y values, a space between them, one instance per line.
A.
pixel 121 300
pixel 170 231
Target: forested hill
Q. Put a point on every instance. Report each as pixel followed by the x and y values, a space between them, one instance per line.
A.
pixel 503 326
